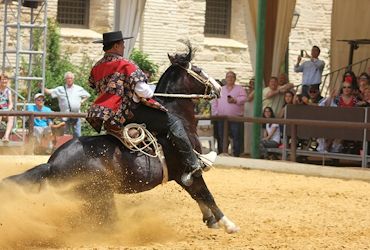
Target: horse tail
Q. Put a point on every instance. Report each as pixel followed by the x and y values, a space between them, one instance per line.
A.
pixel 35 175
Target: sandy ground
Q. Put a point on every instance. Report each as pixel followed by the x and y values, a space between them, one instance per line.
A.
pixel 274 211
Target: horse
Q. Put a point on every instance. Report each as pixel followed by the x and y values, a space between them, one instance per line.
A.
pixel 103 166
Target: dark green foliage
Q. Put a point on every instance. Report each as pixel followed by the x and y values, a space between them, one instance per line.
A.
pixel 56 66
pixel 145 64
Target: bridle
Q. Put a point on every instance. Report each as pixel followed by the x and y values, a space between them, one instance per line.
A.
pixel 204 80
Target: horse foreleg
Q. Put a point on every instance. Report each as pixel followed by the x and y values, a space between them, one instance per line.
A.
pixel 212 214
pixel 208 216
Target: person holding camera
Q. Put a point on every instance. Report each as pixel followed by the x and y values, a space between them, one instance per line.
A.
pixel 311 69
pixel 70 97
pixel 231 103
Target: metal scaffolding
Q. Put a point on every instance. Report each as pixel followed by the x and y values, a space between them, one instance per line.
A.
pixel 19 19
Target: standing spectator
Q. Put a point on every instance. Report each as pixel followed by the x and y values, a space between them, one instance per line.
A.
pixel 231 103
pixel 283 81
pixel 248 111
pixel 312 69
pixel 6 103
pixel 42 125
pixel 70 97
pixel 271 133
pixel 273 95
pixel 215 123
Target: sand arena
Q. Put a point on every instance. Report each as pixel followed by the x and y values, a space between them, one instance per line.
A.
pixel 273 210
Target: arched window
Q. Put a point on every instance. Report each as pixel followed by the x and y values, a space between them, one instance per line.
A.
pixel 218 17
pixel 73 13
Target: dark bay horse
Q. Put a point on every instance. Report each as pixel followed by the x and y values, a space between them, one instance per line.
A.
pixel 103 166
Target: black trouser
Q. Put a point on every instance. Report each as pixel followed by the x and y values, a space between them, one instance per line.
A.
pixel 166 123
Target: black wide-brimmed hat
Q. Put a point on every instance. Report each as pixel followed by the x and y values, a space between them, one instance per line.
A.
pixel 110 37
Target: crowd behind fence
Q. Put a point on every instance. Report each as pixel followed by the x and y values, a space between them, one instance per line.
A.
pixel 293 123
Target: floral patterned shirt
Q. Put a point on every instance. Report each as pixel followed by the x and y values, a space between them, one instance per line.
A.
pixel 113 78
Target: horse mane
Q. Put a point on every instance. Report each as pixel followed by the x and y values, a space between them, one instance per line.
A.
pixel 173 73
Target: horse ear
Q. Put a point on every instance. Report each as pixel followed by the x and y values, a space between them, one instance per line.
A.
pixel 172 58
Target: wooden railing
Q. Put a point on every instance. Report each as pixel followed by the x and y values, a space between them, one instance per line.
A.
pixel 225 119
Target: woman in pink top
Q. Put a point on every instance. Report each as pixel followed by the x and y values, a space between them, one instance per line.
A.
pixel 6 103
pixel 231 103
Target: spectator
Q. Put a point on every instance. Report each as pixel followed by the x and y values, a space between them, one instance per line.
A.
pixel 365 102
pixel 312 69
pixel 314 96
pixel 345 99
pixel 6 104
pixel 215 123
pixel 42 125
pixel 297 99
pixel 288 99
pixel 231 103
pixel 283 81
pixel 363 82
pixel 271 133
pixel 273 95
pixel 70 97
pixel 350 77
pixel 248 111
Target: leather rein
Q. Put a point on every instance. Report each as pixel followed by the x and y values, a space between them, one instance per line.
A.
pixel 204 81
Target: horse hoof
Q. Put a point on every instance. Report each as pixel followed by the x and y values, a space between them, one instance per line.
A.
pixel 228 225
pixel 187 179
pixel 232 230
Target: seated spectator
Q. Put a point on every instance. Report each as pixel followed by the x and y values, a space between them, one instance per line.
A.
pixel 363 82
pixel 297 99
pixel 288 99
pixel 345 99
pixel 351 78
pixel 365 102
pixel 6 103
pixel 271 134
pixel 42 125
pixel 314 96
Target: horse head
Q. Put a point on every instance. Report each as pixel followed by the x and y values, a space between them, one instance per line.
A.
pixel 182 77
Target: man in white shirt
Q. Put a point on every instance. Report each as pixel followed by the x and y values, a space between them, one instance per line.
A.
pixel 312 70
pixel 70 97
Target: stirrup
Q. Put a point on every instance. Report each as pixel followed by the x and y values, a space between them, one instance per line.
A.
pixel 208 160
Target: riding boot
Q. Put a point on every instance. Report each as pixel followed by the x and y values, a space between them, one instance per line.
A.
pixel 179 138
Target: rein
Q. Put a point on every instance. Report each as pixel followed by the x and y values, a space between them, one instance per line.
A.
pixel 199 78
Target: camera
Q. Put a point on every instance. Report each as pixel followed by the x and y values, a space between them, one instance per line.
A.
pixel 302 52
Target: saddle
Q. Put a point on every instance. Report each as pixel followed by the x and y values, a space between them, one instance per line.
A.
pixel 137 138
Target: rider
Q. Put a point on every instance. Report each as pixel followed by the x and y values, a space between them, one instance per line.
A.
pixel 123 97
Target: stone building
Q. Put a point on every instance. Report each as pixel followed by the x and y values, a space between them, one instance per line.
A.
pixel 166 22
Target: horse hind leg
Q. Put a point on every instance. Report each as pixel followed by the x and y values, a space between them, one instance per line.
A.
pixel 36 175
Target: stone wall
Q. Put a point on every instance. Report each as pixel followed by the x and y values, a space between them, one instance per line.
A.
pixel 313 28
pixel 75 41
pixel 166 22
pixel 186 21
